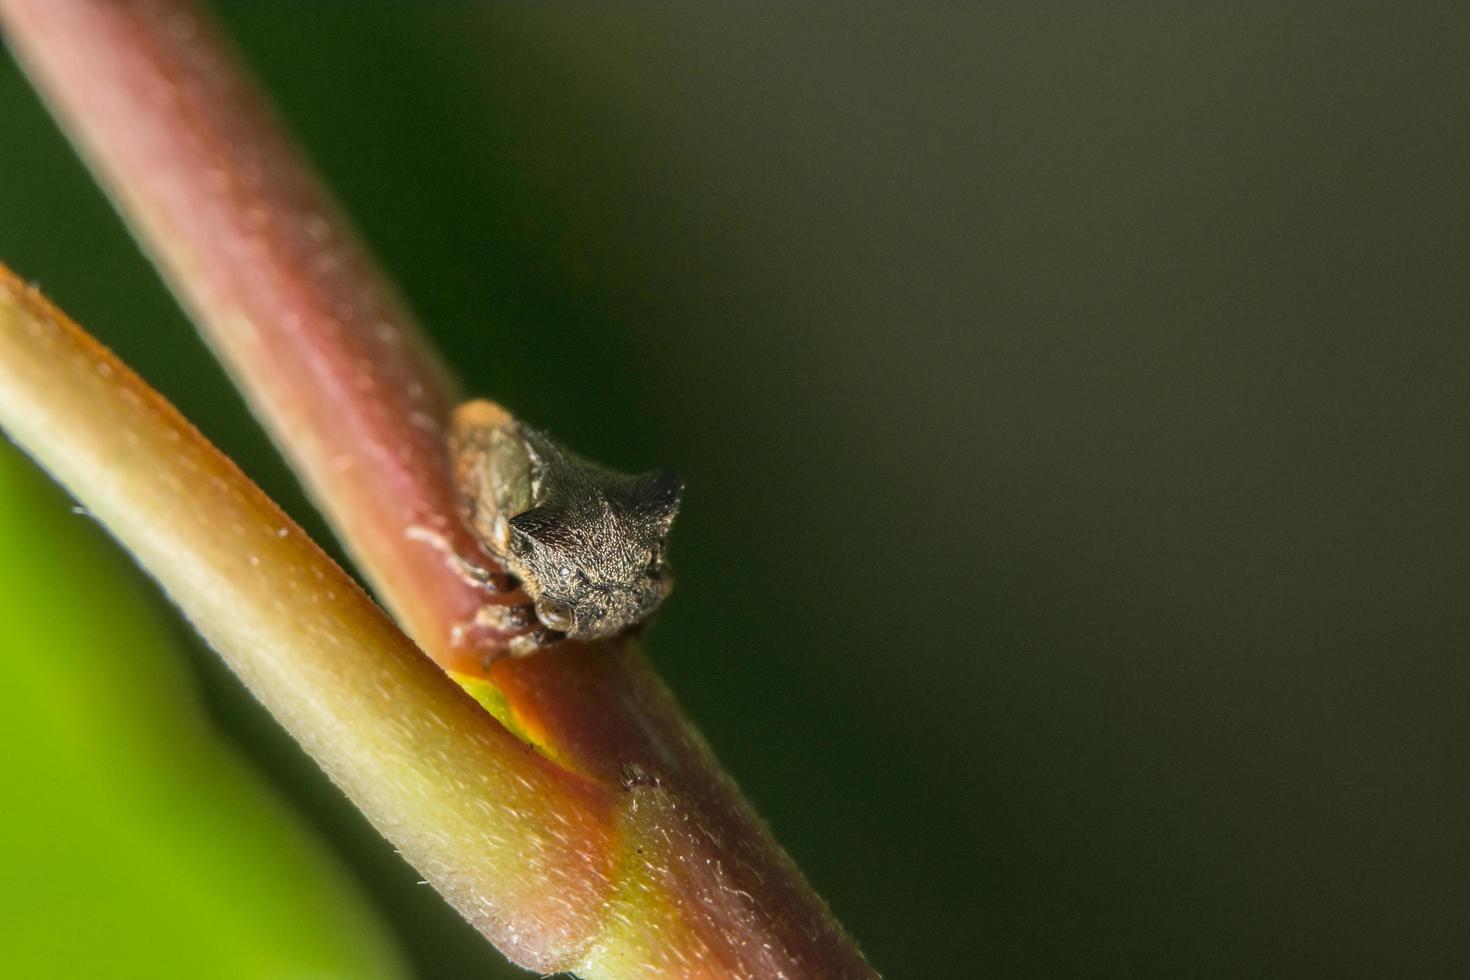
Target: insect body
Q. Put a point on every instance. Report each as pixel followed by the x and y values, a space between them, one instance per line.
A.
pixel 587 544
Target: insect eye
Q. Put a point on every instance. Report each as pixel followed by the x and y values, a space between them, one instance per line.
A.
pixel 555 615
pixel 500 533
pixel 656 560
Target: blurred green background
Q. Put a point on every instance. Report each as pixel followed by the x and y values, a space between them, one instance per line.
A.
pixel 1074 405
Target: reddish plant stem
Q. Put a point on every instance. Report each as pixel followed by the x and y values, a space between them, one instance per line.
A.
pixel 342 376
pixel 259 253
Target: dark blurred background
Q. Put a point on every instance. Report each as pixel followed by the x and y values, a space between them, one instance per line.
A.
pixel 1074 405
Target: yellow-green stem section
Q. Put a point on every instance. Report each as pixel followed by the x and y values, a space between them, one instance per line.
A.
pixel 491 823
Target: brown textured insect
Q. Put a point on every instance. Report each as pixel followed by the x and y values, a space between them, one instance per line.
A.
pixel 587 544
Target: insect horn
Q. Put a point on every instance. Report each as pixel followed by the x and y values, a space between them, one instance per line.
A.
pixel 658 494
pixel 546 524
